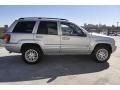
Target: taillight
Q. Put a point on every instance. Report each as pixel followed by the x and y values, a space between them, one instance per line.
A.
pixel 6 38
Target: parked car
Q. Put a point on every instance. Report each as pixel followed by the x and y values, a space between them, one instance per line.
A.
pixel 37 36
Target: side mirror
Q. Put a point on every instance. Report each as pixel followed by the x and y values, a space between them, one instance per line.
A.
pixel 82 35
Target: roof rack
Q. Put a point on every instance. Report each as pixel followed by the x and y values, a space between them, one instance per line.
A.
pixel 44 18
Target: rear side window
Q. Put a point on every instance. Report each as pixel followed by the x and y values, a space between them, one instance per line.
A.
pixel 24 27
pixel 47 27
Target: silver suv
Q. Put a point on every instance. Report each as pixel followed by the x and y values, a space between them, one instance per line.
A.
pixel 37 36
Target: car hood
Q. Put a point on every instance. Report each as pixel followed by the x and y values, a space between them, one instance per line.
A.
pixel 100 37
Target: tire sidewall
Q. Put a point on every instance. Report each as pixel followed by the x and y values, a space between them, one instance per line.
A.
pixel 34 48
pixel 96 50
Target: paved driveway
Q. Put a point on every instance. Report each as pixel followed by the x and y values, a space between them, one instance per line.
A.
pixel 59 69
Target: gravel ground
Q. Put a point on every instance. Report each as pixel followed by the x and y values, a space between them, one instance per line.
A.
pixel 59 69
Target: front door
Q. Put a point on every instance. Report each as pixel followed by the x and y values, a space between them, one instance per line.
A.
pixel 73 39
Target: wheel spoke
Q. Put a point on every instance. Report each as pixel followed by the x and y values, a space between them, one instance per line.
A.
pixel 31 55
pixel 102 54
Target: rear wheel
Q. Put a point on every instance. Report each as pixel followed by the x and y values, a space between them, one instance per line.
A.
pixel 31 55
pixel 101 54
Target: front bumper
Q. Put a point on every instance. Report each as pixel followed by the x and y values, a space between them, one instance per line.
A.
pixel 114 48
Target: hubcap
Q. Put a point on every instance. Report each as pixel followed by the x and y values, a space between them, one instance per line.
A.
pixel 31 55
pixel 102 54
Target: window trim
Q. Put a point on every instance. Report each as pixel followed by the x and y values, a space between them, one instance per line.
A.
pixel 47 21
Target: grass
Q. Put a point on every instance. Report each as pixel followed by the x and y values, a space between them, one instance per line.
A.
pixel 1 32
pixel 1 35
pixel 1 42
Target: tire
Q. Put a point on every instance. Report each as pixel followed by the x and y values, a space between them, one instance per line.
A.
pixel 31 55
pixel 101 54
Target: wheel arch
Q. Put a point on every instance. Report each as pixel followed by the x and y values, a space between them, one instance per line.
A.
pixel 103 45
pixel 26 45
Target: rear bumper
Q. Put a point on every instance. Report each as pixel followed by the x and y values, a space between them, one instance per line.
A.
pixel 13 47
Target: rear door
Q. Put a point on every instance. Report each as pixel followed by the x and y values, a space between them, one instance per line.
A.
pixel 47 36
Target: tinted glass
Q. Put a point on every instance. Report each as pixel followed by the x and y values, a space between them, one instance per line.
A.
pixel 70 29
pixel 47 27
pixel 24 27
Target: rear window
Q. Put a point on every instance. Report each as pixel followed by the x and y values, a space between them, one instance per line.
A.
pixel 24 27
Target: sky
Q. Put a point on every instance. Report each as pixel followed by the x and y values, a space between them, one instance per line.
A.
pixel 90 14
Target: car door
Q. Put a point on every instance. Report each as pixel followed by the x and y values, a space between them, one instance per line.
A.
pixel 73 39
pixel 47 36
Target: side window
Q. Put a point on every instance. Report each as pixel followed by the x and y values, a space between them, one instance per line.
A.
pixel 47 27
pixel 70 29
pixel 24 27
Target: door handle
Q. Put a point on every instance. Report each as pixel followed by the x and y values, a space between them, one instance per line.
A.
pixel 65 38
pixel 39 36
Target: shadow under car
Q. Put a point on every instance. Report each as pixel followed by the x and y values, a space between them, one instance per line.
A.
pixel 13 69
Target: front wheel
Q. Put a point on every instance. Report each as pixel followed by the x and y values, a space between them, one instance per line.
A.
pixel 31 55
pixel 101 54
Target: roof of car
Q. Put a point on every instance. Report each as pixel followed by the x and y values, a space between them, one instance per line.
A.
pixel 42 18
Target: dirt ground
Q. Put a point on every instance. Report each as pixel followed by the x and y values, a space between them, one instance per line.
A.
pixel 59 69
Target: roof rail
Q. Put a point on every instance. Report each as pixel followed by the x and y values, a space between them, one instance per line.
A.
pixel 37 18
